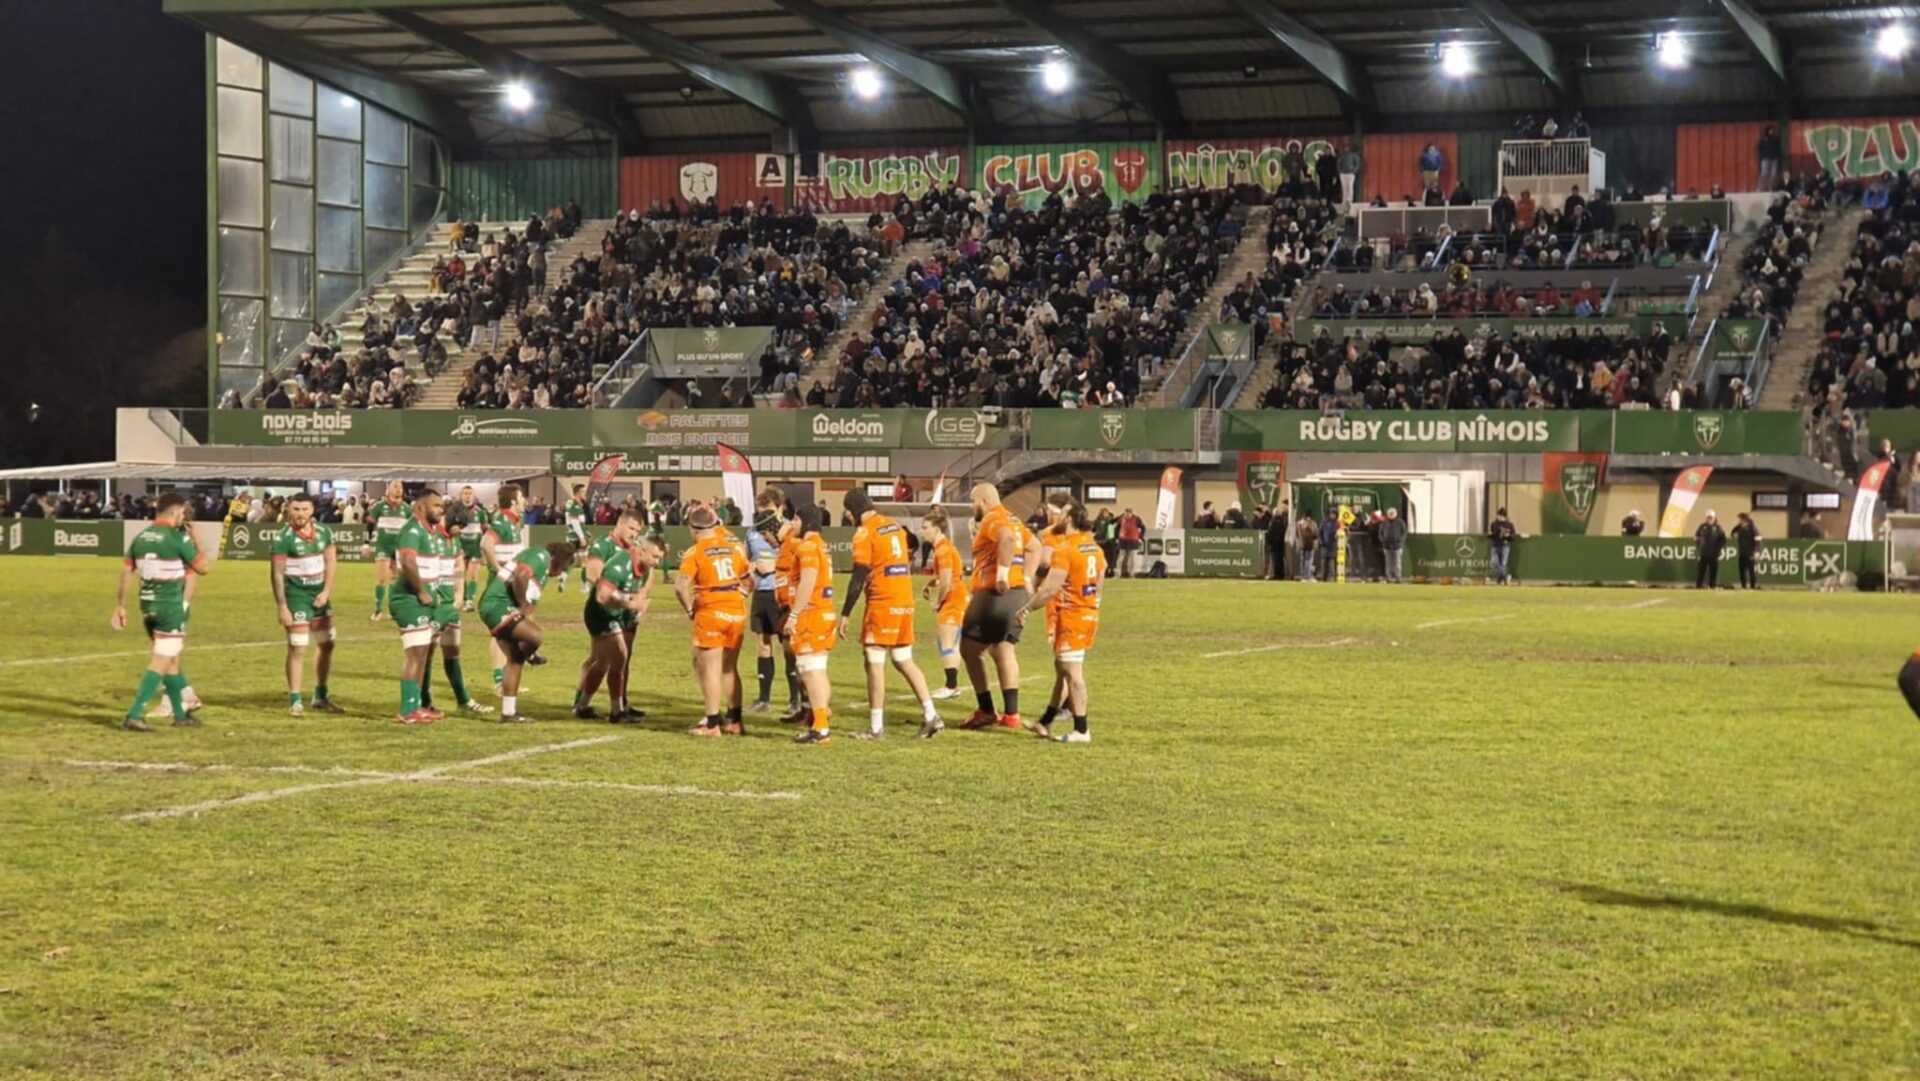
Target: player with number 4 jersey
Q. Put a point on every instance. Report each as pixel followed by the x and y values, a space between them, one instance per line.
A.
pixel 883 574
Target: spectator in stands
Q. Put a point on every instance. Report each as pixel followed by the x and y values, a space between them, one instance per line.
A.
pixel 1524 210
pixel 1577 127
pixel 1768 151
pixel 1503 212
pixel 1460 196
pixel 1432 163
pixel 1349 165
pixel 1632 525
pixel 1549 128
pixel 1326 167
pixel 1207 518
pixel 1235 518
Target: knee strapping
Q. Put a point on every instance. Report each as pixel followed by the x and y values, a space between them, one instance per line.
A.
pixel 169 646
pixel 810 662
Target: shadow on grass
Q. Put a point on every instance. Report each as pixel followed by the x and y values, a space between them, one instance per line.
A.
pixel 1833 925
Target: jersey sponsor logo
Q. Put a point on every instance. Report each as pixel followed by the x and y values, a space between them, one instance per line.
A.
pixel 897 570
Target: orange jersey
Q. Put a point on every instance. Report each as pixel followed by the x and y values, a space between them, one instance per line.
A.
pixel 946 560
pixel 811 554
pixel 1086 567
pixel 880 545
pixel 717 566
pixel 1058 547
pixel 786 571
pixel 994 525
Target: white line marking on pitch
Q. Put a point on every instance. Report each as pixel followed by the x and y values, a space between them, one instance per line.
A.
pixel 122 654
pixel 1468 619
pixel 1280 645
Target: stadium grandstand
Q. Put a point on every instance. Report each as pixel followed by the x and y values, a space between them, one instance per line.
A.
pixel 1259 336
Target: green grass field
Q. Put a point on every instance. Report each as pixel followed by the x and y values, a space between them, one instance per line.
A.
pixel 1324 832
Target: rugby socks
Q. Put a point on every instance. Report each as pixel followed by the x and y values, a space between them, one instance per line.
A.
pixel 472 588
pixel 293 698
pixel 500 675
pixel 984 699
pixel 953 679
pixel 174 685
pixel 455 678
pixel 766 678
pixel 1080 723
pixel 820 715
pixel 1047 716
pixel 1909 684
pixel 320 692
pixel 150 686
pixel 734 717
pixel 509 705
pixel 426 686
pixel 712 721
pixel 409 697
pixel 1012 697
pixel 793 686
pixel 928 711
pixel 379 599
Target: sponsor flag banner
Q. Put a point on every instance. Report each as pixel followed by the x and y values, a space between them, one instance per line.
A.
pixel 1866 501
pixel 1263 477
pixel 736 477
pixel 1686 492
pixel 1168 508
pixel 601 477
pixel 1570 485
pixel 939 488
pixel 1736 339
pixel 1028 174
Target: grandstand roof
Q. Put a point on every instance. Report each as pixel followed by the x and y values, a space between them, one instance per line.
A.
pixel 709 74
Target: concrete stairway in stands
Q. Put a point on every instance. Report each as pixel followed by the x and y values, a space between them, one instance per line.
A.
pixel 826 365
pixel 1249 256
pixel 1786 385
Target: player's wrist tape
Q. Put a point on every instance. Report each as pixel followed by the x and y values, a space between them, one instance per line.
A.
pixel 1001 575
pixel 620 597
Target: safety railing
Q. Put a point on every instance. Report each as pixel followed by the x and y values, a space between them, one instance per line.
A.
pixel 621 374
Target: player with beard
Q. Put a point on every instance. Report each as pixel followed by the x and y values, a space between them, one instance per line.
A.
pixel 1003 549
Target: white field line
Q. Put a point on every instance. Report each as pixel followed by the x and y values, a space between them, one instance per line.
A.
pixel 1279 645
pixel 268 644
pixel 1468 619
pixel 427 777
pixel 964 691
pixel 1646 603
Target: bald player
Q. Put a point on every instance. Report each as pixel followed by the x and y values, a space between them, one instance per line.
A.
pixel 883 574
pixel 1003 549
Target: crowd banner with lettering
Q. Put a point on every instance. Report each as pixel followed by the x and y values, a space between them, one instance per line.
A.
pixel 707 352
pixel 1027 173
pixel 1570 484
pixel 1263 478
pixel 1236 163
pixel 1859 149
pixel 1222 553
pixel 1110 429
pixel 1693 432
pixel 1407 331
pixel 1436 431
pixel 862 181
pixel 1648 560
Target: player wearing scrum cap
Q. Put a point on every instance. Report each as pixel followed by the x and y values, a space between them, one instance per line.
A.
pixel 714 577
pixel 883 574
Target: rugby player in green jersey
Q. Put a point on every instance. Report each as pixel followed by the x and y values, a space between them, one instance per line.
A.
pixel 507 610
pixel 469 519
pixel 623 578
pixel 418 558
pixel 302 573
pixel 446 628
pixel 505 538
pixel 168 563
pixel 384 522
pixel 575 516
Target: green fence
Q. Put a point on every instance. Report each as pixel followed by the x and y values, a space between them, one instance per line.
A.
pixel 1647 560
pixel 517 190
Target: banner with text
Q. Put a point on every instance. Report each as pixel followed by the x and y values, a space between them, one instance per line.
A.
pixel 1859 149
pixel 1236 163
pixel 862 181
pixel 1406 331
pixel 1434 431
pixel 1570 484
pixel 1736 339
pixel 1262 476
pixel 1028 173
pixel 1110 429
pixel 1650 560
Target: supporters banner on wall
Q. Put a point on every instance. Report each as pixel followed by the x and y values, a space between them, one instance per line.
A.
pixel 1686 491
pixel 1404 331
pixel 1364 498
pixel 861 181
pixel 1231 163
pixel 1439 431
pixel 1028 173
pixel 1855 149
pixel 1570 486
pixel 1866 500
pixel 1736 339
pixel 1110 429
pixel 1262 477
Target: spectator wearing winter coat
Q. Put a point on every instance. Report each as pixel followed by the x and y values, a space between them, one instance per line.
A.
pixel 1392 533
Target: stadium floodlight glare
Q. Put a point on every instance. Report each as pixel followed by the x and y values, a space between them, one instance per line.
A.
pixel 1671 50
pixel 518 96
pixel 866 83
pixel 1893 42
pixel 1456 60
pixel 1056 75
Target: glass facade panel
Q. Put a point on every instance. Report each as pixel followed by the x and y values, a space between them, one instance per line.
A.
pixel 292 287
pixel 239 192
pixel 383 244
pixel 426 160
pixel 241 259
pixel 339 114
pixel 386 197
pixel 335 290
pixel 339 239
pixel 235 66
pixel 289 91
pixel 290 149
pixel 239 121
pixel 339 173
pixel 239 332
pixel 386 137
pixel 284 338
pixel 291 228
pixel 426 203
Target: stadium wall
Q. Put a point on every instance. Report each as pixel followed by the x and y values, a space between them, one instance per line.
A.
pixel 518 189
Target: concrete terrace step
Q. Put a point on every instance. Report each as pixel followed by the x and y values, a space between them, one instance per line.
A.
pixel 1801 338
pixel 1249 256
pixel 827 364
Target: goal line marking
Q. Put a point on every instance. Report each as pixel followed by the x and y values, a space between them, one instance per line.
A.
pixel 1467 619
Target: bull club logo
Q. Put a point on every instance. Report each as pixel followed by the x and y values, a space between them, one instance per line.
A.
pixel 1263 482
pixel 699 180
pixel 1113 428
pixel 1579 482
pixel 1130 169
pixel 1707 429
pixel 710 339
pixel 1740 336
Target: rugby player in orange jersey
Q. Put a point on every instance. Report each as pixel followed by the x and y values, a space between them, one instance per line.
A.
pixel 1071 591
pixel 786 575
pixel 948 588
pixel 811 624
pixel 1003 549
pixel 883 573
pixel 1052 540
pixel 712 588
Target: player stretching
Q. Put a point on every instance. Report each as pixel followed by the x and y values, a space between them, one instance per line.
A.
pixel 303 574
pixel 575 515
pixel 417 554
pixel 811 624
pixel 1071 593
pixel 385 519
pixel 949 590
pixel 507 610
pixel 883 573
pixel 504 539
pixel 620 597
pixel 711 587
pixel 468 518
pixel 168 564
pixel 1002 551
pixel 610 630
pixel 768 615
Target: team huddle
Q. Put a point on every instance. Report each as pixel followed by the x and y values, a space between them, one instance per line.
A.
pixel 437 559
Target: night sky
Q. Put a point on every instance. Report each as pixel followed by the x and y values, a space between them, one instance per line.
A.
pixel 103 277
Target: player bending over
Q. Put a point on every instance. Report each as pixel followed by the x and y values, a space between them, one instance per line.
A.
pixel 168 564
pixel 949 590
pixel 303 569
pixel 1070 592
pixel 385 519
pixel 622 590
pixel 712 588
pixel 883 574
pixel 507 610
pixel 1003 549
pixel 811 624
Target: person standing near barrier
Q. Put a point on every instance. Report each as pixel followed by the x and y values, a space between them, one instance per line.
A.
pixel 1746 543
pixel 1308 536
pixel 1131 530
pixel 1392 532
pixel 1329 539
pixel 1276 538
pixel 1712 540
pixel 1432 162
pixel 1349 173
pixel 1502 535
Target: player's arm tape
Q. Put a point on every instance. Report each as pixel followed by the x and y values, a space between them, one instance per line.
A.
pixel 1002 575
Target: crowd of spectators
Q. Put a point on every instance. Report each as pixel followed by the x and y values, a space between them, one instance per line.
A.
pixel 1775 262
pixel 1582 232
pixel 1063 304
pixel 1489 299
pixel 1300 235
pixel 1870 354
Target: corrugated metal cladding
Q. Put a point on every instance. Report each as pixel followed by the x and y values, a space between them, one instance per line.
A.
pixel 1428 95
pixel 1390 162
pixel 682 121
pixel 1643 86
pixel 1244 103
pixel 1478 164
pixel 1641 155
pixel 517 190
pixel 895 113
pixel 1854 80
pixel 727 178
pixel 1723 154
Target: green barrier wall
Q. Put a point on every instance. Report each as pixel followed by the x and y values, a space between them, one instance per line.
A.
pixel 1404 331
pixel 1633 559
